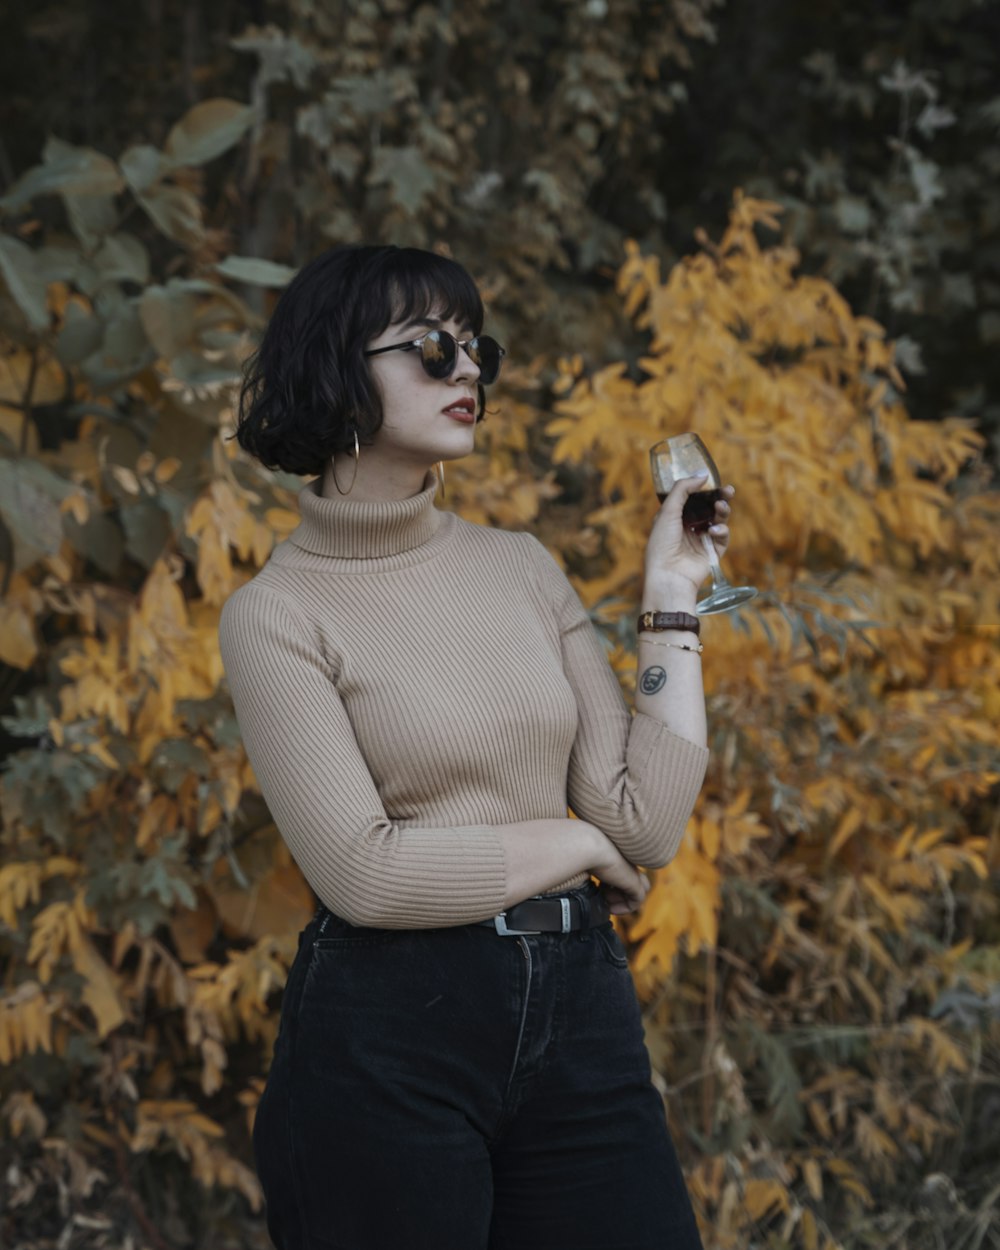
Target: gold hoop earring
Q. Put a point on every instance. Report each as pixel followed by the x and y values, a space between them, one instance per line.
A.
pixel 357 458
pixel 440 472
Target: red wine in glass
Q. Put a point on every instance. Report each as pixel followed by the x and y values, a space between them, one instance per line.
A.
pixel 699 510
pixel 685 456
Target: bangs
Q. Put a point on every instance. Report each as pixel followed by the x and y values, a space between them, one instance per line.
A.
pixel 419 285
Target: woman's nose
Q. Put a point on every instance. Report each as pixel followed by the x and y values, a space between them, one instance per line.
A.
pixel 465 366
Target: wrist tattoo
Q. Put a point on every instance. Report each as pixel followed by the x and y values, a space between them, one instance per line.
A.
pixel 653 679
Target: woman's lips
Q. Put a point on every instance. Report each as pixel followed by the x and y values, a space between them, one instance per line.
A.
pixel 461 413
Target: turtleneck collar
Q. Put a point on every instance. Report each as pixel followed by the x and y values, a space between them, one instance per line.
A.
pixel 351 529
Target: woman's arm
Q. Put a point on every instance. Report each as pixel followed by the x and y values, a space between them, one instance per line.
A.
pixel 668 680
pixel 542 853
pixel 316 783
pixel 635 777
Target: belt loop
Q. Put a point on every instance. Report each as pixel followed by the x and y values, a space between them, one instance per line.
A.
pixel 567 915
pixel 584 902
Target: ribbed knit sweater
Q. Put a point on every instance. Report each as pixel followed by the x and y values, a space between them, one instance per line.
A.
pixel 406 681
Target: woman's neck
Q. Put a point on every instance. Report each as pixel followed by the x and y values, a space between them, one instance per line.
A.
pixel 374 482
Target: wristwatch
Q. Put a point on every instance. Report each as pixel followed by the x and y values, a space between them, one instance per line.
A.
pixel 657 621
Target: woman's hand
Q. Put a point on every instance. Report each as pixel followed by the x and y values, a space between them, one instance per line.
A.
pixel 622 884
pixel 673 552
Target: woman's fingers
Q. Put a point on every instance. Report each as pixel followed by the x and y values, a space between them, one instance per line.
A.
pixel 719 529
pixel 720 536
pixel 622 901
pixel 678 494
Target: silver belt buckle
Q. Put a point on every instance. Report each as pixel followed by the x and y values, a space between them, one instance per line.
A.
pixel 500 924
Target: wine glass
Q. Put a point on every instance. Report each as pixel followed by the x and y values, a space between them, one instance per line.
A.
pixel 685 455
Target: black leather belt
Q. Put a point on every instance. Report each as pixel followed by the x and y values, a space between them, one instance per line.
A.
pixel 559 913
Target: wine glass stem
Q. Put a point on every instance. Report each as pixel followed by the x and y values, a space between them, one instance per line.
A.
pixel 719 579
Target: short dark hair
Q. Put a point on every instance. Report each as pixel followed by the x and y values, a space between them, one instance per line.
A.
pixel 308 387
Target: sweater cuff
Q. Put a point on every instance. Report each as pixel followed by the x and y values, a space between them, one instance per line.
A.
pixel 650 739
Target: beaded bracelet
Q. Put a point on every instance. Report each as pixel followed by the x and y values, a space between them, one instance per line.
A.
pixel 678 646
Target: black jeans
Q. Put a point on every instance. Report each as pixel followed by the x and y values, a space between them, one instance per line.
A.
pixel 451 1089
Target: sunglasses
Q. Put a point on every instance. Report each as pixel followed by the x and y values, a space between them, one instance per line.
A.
pixel 439 353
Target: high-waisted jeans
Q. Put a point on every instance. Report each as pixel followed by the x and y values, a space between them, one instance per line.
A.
pixel 452 1089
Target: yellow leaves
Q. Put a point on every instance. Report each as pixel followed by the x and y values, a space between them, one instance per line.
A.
pixel 899 908
pixel 173 646
pixel 281 520
pixel 239 989
pixel 18 369
pixel 764 1198
pixel 21 882
pixel 820 1120
pixel 158 820
pixel 716 828
pixel 223 997
pixel 101 988
pixel 812 1174
pixel 61 928
pixel 681 907
pixel 848 1179
pixel 96 689
pixel 849 824
pixel 595 417
pixel 177 1119
pixel 18 642
pixel 637 277
pixel 166 470
pixel 277 901
pixel 490 492
pixel 194 928
pixel 23 1114
pixel 180 1125
pixel 945 1055
pixel 58 928
pixel 25 1022
pixel 746 1210
pixel 798 434
pixel 875 1145
pixel 158 628
pixel 810 1231
pixel 219 520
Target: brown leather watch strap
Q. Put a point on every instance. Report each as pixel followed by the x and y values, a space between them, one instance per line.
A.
pixel 656 621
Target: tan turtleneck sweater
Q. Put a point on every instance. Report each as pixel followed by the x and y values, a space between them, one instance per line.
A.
pixel 406 681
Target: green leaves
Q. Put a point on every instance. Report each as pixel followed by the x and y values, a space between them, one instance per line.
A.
pixel 406 174
pixel 256 272
pixel 27 287
pixel 30 495
pixel 206 131
pixel 65 170
pixel 176 212
pixel 142 166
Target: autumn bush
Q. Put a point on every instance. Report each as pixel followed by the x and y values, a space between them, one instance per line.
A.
pixel 820 964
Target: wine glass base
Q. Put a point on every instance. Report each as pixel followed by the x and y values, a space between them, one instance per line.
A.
pixel 725 599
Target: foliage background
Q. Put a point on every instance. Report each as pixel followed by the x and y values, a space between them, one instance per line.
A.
pixel 777 226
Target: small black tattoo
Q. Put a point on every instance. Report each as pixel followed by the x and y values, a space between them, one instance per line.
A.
pixel 653 679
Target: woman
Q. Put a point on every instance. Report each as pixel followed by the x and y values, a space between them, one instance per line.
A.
pixel 460 1062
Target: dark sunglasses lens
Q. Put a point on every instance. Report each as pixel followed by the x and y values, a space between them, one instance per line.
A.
pixel 437 354
pixel 486 354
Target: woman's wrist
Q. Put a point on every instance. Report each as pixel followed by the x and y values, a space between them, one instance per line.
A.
pixel 602 850
pixel 668 592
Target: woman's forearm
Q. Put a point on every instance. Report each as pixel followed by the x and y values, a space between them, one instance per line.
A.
pixel 541 854
pixel 668 683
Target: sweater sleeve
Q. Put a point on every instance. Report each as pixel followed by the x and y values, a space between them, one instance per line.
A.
pixel 318 788
pixel 629 775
